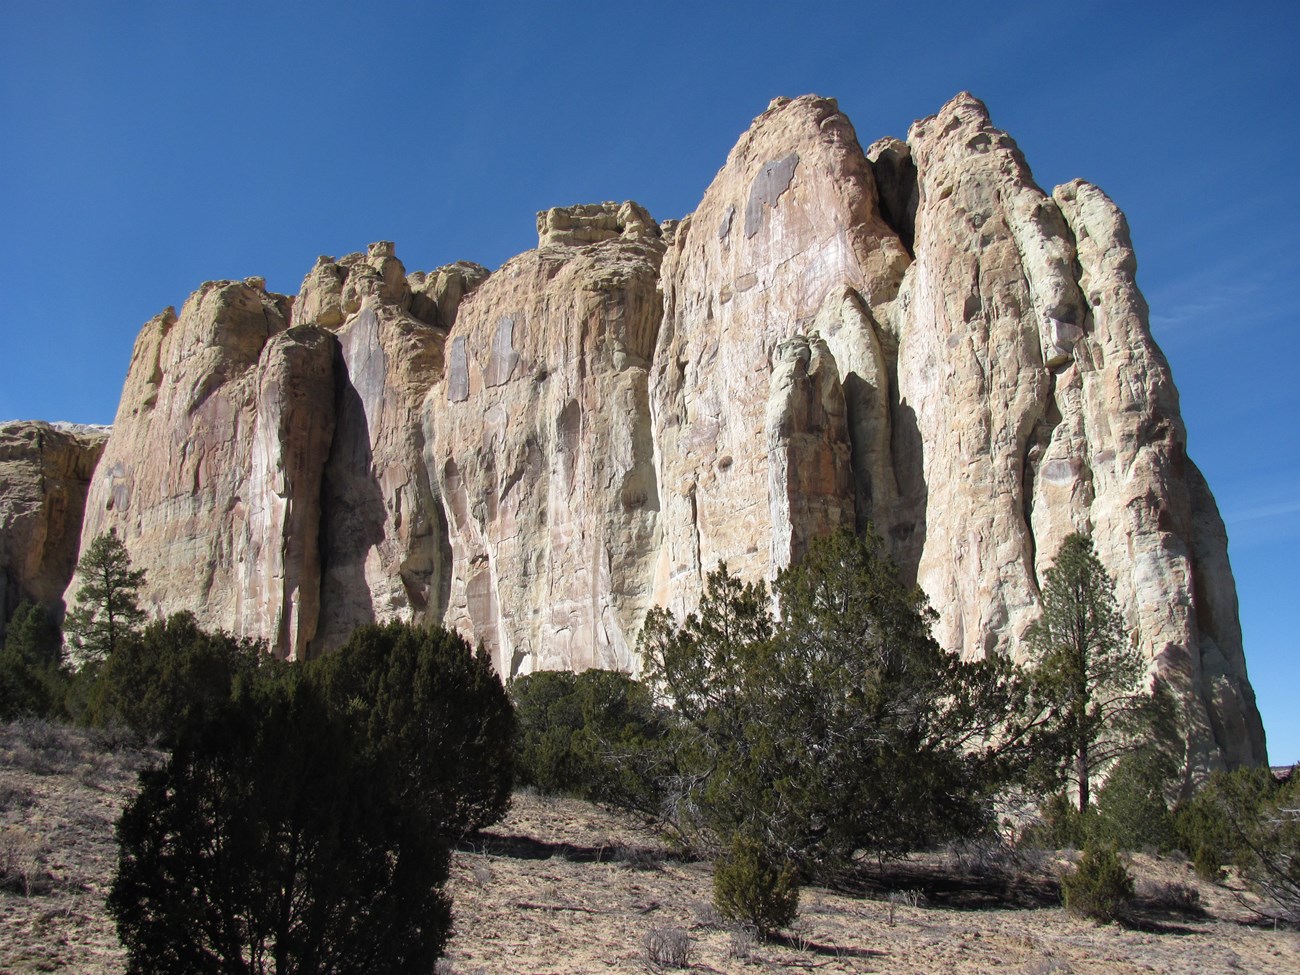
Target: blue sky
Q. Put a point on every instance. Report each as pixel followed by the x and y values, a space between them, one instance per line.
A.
pixel 148 147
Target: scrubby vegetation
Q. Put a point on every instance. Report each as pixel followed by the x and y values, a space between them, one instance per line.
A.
pixel 1100 887
pixel 596 735
pixel 313 807
pixel 432 719
pixel 791 737
pixel 264 846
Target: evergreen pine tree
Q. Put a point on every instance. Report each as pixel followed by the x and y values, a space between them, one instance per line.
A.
pixel 107 606
pixel 1088 674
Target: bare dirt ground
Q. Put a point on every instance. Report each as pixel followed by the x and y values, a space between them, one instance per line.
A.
pixel 565 887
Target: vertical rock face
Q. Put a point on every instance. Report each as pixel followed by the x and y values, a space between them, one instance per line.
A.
pixel 222 433
pixel 916 337
pixel 385 550
pixel 810 486
pixel 1042 407
pixel 788 234
pixel 994 270
pixel 542 448
pixel 45 469
pixel 1153 518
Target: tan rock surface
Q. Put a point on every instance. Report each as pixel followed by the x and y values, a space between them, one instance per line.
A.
pixel 1042 407
pixel 994 262
pixel 788 230
pixel 916 336
pixel 214 460
pixel 541 444
pixel 1154 521
pixel 385 552
pixel 45 469
pixel 810 486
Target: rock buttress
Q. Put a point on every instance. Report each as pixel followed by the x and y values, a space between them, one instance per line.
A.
pixel 45 471
pixel 214 463
pixel 541 445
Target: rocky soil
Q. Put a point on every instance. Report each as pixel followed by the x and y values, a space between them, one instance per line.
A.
pixel 563 886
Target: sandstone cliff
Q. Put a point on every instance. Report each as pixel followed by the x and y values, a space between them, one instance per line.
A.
pixel 542 446
pixel 44 471
pixel 914 336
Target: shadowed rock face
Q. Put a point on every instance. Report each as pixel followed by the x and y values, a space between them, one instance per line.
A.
pixel 45 469
pixel 916 336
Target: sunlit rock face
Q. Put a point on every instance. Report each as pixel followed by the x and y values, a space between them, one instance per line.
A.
pixel 1042 407
pixel 540 440
pixel 266 467
pixel 45 469
pixel 914 337
pixel 211 475
pixel 787 240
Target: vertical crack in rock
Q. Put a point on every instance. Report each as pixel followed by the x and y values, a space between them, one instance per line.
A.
pixel 503 358
pixel 458 371
pixel 384 553
pixel 845 320
pixel 897 186
pixel 810 493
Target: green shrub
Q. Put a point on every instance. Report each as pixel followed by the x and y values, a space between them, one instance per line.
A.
pixel 593 735
pixel 262 846
pixel 1060 825
pixel 750 887
pixel 838 728
pixel 548 716
pixel 1209 827
pixel 1272 862
pixel 1131 810
pixel 33 680
pixel 168 676
pixel 1100 887
pixel 435 719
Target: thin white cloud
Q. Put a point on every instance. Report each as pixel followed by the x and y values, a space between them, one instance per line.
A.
pixel 1204 303
pixel 1257 512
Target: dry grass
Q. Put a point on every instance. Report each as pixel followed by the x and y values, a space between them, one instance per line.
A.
pixel 562 886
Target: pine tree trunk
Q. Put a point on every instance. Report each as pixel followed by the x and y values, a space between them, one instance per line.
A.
pixel 1081 773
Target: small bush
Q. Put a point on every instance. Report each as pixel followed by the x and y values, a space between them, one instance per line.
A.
pixel 1060 825
pixel 741 944
pixel 20 861
pixel 1172 896
pixel 42 747
pixel 263 844
pixel 1131 809
pixel 749 887
pixel 33 679
pixel 1100 888
pixel 667 948
pixel 434 718
pixel 591 735
pixel 1213 826
pixel 169 675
